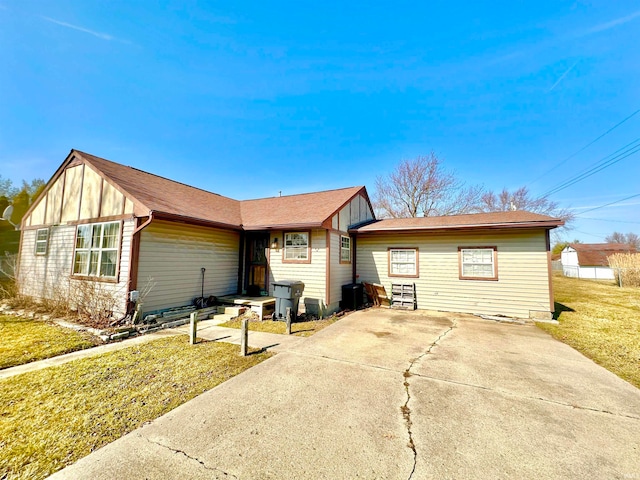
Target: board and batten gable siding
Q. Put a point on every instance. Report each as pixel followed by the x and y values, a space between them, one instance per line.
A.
pixel 50 275
pixel 357 211
pixel 313 275
pixel 78 194
pixel 522 288
pixel 170 261
pixel 341 273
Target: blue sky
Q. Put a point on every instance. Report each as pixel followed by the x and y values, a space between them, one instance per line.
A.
pixel 247 99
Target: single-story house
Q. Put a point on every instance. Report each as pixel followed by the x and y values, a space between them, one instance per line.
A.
pixel 102 225
pixel 590 260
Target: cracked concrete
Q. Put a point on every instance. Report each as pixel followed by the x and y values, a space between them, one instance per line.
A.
pixel 182 452
pixel 405 409
pixel 491 401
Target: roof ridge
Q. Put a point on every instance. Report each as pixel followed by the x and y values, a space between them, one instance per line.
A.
pixel 301 194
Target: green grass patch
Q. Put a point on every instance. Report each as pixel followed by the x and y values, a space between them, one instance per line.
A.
pixel 27 340
pixel 602 321
pixel 51 418
pixel 301 329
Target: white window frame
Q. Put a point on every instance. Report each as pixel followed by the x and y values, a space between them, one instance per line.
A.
pixel 297 247
pixel 42 243
pixel 345 251
pixel 401 264
pixel 473 260
pixel 95 252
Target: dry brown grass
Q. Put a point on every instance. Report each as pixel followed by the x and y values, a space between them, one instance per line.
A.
pixel 27 340
pixel 627 267
pixel 301 329
pixel 51 418
pixel 602 321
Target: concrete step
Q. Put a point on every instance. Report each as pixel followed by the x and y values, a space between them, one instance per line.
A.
pixel 229 310
pixel 219 318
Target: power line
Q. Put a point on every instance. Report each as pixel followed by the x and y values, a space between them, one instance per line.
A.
pixel 598 166
pixel 562 162
pixel 607 220
pixel 612 203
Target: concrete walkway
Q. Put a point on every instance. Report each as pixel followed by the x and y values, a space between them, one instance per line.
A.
pixel 207 329
pixel 396 395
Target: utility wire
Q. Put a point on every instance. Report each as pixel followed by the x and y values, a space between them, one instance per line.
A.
pixel 612 203
pixel 608 220
pixel 600 165
pixel 562 162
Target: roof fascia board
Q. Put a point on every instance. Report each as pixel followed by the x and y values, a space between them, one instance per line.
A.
pixel 284 226
pixel 172 217
pixel 457 228
pixel 48 185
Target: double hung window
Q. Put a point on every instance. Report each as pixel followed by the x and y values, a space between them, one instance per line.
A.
pixel 296 247
pixel 96 252
pixel 478 263
pixel 42 241
pixel 403 262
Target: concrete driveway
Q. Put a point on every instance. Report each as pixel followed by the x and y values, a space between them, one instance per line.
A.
pixel 396 395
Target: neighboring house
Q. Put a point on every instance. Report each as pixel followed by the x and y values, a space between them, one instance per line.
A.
pixel 106 225
pixel 590 260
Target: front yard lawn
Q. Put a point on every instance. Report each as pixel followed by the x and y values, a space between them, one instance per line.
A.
pixel 602 321
pixel 27 340
pixel 52 417
pixel 301 329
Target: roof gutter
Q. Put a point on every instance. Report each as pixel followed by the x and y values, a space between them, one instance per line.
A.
pixel 284 226
pixel 145 224
pixel 194 221
pixel 456 228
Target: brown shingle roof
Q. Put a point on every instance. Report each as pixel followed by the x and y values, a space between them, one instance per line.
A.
pixel 172 199
pixel 510 219
pixel 595 254
pixel 305 210
pixel 165 196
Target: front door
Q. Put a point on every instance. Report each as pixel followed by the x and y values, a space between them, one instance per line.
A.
pixel 256 279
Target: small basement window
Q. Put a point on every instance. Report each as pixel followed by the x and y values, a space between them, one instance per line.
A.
pixel 42 241
pixel 345 249
pixel 478 263
pixel 296 247
pixel 403 262
pixel 96 252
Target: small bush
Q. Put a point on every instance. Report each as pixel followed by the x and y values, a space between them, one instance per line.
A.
pixel 627 268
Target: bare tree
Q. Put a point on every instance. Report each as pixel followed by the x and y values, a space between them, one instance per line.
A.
pixel 422 187
pixel 629 239
pixel 521 199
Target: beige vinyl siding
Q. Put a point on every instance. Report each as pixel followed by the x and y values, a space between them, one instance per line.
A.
pixel 49 276
pixel 341 273
pixel 171 256
pixel 313 274
pixel 522 288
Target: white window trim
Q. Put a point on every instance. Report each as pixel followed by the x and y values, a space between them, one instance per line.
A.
pixel 99 250
pixel 391 262
pixel 40 242
pixel 345 258
pixel 493 263
pixel 304 255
